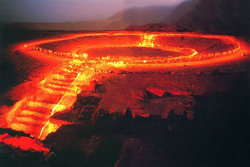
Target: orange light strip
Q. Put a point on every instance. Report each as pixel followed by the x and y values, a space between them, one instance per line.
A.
pixel 42 135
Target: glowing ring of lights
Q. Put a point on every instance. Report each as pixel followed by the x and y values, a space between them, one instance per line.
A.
pixel 191 55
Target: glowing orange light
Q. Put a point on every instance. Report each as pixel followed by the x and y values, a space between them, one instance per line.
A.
pixel 58 87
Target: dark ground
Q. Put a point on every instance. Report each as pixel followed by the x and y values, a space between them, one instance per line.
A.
pixel 217 136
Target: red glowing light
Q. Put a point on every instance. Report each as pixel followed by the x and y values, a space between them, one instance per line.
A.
pixel 57 87
pixel 24 143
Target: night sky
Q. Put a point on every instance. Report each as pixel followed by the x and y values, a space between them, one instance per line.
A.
pixel 69 10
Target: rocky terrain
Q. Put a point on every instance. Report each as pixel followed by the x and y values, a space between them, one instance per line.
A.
pixel 215 134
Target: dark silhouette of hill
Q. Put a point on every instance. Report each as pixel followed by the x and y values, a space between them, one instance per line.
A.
pixel 139 16
pixel 157 27
pixel 180 11
pixel 218 16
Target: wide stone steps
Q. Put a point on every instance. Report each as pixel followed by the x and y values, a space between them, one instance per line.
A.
pixel 33 114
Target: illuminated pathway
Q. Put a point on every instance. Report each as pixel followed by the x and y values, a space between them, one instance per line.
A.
pixel 57 89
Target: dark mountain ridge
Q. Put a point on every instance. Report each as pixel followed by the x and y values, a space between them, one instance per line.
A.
pixel 218 16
